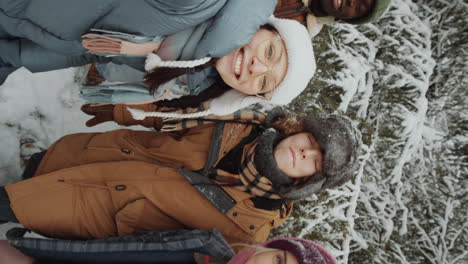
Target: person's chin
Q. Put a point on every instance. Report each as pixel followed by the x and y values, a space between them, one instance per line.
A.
pixel 332 13
pixel 282 162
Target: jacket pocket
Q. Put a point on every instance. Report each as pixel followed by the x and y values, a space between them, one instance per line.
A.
pixel 141 215
pixel 110 146
pixel 255 222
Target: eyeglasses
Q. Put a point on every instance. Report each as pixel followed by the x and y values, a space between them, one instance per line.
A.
pixel 269 52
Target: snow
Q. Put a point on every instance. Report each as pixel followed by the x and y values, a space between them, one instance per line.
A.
pixel 43 106
pixel 405 77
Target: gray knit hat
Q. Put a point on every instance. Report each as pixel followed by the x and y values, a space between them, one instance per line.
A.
pixel 378 10
pixel 340 142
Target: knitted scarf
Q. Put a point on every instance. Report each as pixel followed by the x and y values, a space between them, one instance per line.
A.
pixel 181 119
pixel 248 180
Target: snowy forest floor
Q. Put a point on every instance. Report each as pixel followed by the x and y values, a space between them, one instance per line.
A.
pixel 403 80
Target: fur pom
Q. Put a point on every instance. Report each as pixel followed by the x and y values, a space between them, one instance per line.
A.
pixel 152 61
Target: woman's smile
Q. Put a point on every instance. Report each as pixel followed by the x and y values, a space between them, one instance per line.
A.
pixel 237 63
pixel 256 68
pixel 337 4
pixel 347 9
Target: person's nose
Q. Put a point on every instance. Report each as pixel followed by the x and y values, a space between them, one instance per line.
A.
pixel 257 67
pixel 307 153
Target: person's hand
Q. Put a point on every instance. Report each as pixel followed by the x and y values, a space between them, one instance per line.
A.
pixel 101 112
pixel 100 44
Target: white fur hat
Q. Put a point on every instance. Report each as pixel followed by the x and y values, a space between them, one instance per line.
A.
pixel 301 68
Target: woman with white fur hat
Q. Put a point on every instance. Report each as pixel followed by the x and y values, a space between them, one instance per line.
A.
pixel 182 34
pixel 273 68
pixel 32 38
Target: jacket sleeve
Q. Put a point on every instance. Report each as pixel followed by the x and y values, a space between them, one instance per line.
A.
pixel 31 20
pixel 241 19
pixel 35 58
pixel 181 5
pixel 166 244
pixel 123 117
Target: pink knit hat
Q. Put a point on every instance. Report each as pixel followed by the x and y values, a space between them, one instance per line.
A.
pixel 305 251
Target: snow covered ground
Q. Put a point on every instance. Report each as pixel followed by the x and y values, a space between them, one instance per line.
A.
pixel 41 107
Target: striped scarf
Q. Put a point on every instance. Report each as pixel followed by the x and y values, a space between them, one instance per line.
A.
pixel 248 180
pixel 255 183
pixel 240 116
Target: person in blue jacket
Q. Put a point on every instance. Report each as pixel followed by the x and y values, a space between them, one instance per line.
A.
pixel 44 35
pixel 206 40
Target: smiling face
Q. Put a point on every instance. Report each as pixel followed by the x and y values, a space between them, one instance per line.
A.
pixel 256 68
pixel 347 9
pixel 299 155
pixel 273 257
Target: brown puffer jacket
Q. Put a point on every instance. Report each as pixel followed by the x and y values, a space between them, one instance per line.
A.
pixel 98 185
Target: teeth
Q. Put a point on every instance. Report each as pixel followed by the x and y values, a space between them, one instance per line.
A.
pixel 237 66
pixel 338 3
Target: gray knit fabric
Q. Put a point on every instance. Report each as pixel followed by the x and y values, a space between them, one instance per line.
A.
pixel 265 161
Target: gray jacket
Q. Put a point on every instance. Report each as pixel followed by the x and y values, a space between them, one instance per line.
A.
pixel 44 35
pixel 171 246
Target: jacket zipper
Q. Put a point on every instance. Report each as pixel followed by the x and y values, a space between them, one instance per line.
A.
pixel 85 184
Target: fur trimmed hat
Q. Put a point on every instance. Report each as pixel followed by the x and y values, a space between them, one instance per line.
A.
pixel 301 68
pixel 339 141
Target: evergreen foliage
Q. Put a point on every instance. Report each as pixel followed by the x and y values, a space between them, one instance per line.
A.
pixel 405 79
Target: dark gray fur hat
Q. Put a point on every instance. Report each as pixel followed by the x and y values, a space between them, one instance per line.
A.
pixel 265 161
pixel 339 140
